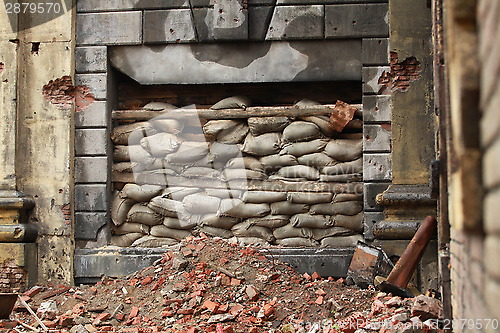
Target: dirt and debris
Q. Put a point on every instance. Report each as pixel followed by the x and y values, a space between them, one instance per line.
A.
pixel 212 285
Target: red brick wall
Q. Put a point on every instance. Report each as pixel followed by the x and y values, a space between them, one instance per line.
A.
pixel 12 277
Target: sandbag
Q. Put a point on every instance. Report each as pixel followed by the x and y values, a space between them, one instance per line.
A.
pixel 246 162
pixel 199 203
pixel 233 102
pixel 269 221
pixel 288 208
pixel 161 144
pixel 261 125
pixel 158 106
pixel 273 162
pixel 262 145
pixel 131 134
pixel 168 125
pixel 223 222
pixel 316 160
pixel 200 172
pixel 289 231
pixel 237 208
pixel 311 221
pixel 165 207
pixel 231 174
pixel 223 152
pixel 334 208
pixel 140 155
pixel 178 192
pixel 164 231
pixel 341 197
pixel 121 154
pixel 196 137
pixel 152 241
pixel 226 130
pixel 119 209
pixel 287 179
pixel 304 148
pixel 223 193
pixel 353 222
pixel 125 240
pixel 301 131
pixel 175 223
pixel 263 196
pixel 299 171
pixel 323 122
pixel 344 150
pixel 309 198
pixel 251 241
pixel 235 136
pixel 319 234
pixel 352 167
pixel 245 229
pixel 297 242
pixel 305 103
pixel 188 152
pixel 140 213
pixel 348 178
pixel 345 241
pixel 140 193
pixel 127 167
pixel 160 163
pixel 216 232
pixel 128 227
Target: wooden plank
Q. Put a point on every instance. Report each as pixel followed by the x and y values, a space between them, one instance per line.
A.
pixel 250 185
pixel 289 111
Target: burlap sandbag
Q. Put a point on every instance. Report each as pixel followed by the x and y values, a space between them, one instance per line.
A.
pixel 345 241
pixel 246 162
pixel 127 167
pixel 304 148
pixel 309 198
pixel 204 162
pixel 269 221
pixel 140 155
pixel 226 131
pixel 200 203
pixel 262 145
pixel 175 223
pixel 158 106
pixel 289 231
pixel 188 152
pixel 200 172
pixel 140 193
pixel 223 152
pixel 128 227
pixel 246 229
pixel 152 241
pixel 351 167
pixel 344 150
pixel 341 197
pixel 274 162
pixel 316 160
pixel 288 208
pixel 347 178
pixel 223 193
pixel 353 222
pixel 261 125
pixel 299 171
pixel 125 240
pixel 251 241
pixel 119 209
pixel 263 196
pixel 164 124
pixel 334 208
pixel 319 234
pixel 216 232
pixel 196 137
pixel 297 242
pixel 121 154
pixel 131 134
pixel 161 144
pixel 233 102
pixel 231 174
pixel 165 207
pixel 140 213
pixel 323 122
pixel 164 231
pixel 223 222
pixel 178 192
pixel 287 179
pixel 301 131
pixel 237 208
pixel 311 221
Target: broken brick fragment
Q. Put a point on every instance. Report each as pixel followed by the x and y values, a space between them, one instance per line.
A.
pixel 134 312
pixel 212 306
pixel 319 300
pixel 251 292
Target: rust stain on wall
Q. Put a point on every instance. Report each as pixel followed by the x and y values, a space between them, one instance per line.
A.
pixel 401 74
pixel 62 93
pixel 66 211
pixel 2 66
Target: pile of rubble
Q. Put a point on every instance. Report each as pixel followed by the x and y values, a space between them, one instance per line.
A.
pixel 212 285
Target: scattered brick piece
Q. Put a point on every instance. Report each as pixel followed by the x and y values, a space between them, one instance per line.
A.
pixel 147 280
pixel 320 292
pixel 319 300
pixel 315 276
pixel 134 312
pixel 251 292
pixel 212 306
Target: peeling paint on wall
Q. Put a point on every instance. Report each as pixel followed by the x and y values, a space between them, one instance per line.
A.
pixel 62 93
pixel 2 66
pixel 401 74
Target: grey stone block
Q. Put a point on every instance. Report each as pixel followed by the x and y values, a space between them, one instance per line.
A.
pixel 91 142
pixel 175 25
pixel 261 2
pixel 87 225
pixel 356 20
pixel 371 190
pixel 296 22
pixel 377 167
pixel 91 197
pixel 201 26
pixel 91 59
pixel 258 21
pixel 117 5
pixel 91 169
pixel 376 108
pixel 370 219
pixel 225 21
pixel 375 51
pixel 96 82
pixel 200 3
pixel 371 76
pixel 94 115
pixel 377 138
pixel 109 28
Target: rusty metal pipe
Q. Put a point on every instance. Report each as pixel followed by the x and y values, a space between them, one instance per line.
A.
pixel 407 263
